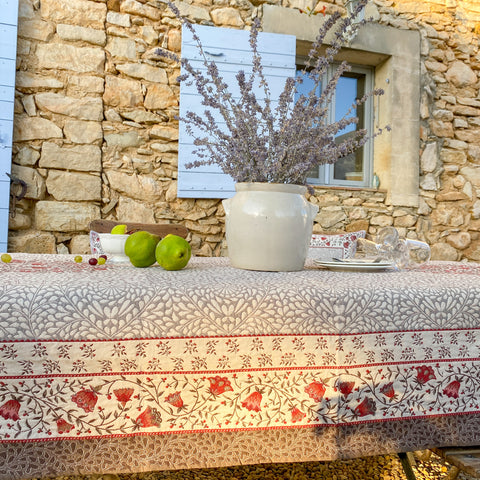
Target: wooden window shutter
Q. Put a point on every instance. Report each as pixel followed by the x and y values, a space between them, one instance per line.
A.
pixel 230 49
pixel 8 52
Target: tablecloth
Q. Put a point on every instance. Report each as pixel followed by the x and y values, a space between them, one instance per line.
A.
pixel 112 368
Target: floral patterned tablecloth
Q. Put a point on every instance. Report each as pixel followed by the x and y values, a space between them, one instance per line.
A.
pixel 105 362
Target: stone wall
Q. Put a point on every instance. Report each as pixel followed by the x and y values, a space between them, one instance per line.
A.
pixel 95 134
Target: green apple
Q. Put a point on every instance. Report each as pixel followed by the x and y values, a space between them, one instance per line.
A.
pixel 119 230
pixel 140 248
pixel 173 252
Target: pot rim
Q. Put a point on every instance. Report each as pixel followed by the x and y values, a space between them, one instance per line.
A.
pixel 270 187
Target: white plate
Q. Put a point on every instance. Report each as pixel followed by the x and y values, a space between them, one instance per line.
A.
pixel 343 266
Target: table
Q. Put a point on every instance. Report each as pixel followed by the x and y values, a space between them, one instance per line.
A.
pixel 116 369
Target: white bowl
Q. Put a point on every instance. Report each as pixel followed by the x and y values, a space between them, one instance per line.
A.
pixel 113 245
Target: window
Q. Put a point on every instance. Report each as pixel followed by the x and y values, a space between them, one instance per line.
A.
pixel 356 169
pixel 393 55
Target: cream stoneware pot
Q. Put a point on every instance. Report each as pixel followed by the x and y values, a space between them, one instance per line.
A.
pixel 269 226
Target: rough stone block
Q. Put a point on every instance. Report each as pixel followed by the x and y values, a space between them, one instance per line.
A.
pixel 381 220
pixel 461 75
pixel 19 222
pixel 35 182
pixel 75 33
pixel 83 132
pixel 86 108
pixel 85 158
pixel 86 84
pixel 472 173
pixel 129 210
pixel 227 16
pixel 458 157
pixel 443 251
pixel 144 72
pixel 65 216
pixel 27 156
pixel 74 12
pixel 34 128
pixel 32 242
pixel 160 97
pixel 73 186
pixel 194 13
pixel 120 19
pixel 141 116
pixel 120 92
pixel 429 158
pixel 80 244
pixel 69 57
pixel 122 48
pixel 138 187
pixel 460 240
pixel 36 30
pixel 137 8
pixel 123 140
pixel 27 80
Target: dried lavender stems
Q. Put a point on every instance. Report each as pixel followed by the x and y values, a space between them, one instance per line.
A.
pixel 260 143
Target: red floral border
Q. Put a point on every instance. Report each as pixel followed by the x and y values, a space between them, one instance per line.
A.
pixel 159 386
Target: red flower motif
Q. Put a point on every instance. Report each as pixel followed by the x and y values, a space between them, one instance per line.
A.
pixel 175 399
pixel 297 415
pixel 63 426
pixel 9 410
pixel 252 402
pixel 149 418
pixel 123 395
pixel 424 374
pixel 86 399
pixel 345 387
pixel 388 390
pixel 218 385
pixel 316 390
pixel 367 407
pixel 451 390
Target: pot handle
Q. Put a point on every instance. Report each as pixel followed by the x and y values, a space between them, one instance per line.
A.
pixel 226 205
pixel 313 209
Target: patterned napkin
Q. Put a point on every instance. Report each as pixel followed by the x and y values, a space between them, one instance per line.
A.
pixel 327 247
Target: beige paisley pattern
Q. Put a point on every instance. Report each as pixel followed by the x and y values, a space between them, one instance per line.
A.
pixel 244 367
pixel 169 452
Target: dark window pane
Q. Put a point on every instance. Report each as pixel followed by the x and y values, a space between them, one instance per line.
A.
pixel 351 86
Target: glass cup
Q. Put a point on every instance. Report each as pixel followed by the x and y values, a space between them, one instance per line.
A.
pixel 387 236
pixel 418 252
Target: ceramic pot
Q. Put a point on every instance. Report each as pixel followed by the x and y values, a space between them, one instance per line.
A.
pixel 268 226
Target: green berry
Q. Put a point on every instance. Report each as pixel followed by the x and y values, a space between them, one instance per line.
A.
pixel 101 261
pixel 78 258
pixel 6 258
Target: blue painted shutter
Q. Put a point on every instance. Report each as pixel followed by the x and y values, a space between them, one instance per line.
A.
pixel 230 49
pixel 8 51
